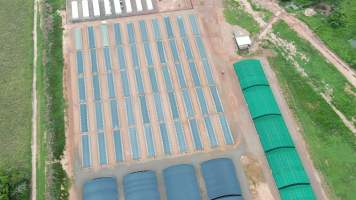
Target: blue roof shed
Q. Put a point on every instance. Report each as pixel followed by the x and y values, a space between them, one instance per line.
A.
pixel 141 185
pixel 181 183
pixel 220 179
pixel 101 188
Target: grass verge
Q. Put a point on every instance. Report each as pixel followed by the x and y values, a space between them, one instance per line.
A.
pixel 53 182
pixel 235 15
pixel 338 39
pixel 323 75
pixel 16 66
pixel 332 146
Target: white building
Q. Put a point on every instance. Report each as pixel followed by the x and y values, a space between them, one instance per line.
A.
pixel 243 42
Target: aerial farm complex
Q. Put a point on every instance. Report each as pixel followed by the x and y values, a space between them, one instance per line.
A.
pixel 158 110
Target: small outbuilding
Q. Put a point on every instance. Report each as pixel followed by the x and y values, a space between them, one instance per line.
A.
pixel 243 41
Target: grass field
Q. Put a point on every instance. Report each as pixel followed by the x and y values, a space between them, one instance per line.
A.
pixel 16 54
pixel 331 144
pixel 338 39
pixel 235 15
pixel 321 73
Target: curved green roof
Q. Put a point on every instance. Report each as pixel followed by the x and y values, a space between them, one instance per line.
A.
pixel 273 132
pixel 286 166
pixel 250 73
pixel 260 101
pixel 297 192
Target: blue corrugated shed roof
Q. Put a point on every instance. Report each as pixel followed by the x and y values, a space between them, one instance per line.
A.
pixel 220 178
pixel 100 188
pixel 181 183
pixel 141 186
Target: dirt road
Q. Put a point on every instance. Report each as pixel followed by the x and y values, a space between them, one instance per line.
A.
pixel 34 106
pixel 304 31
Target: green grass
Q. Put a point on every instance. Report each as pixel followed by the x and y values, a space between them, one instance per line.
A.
pixel 235 15
pixel 321 73
pixel 332 146
pixel 337 39
pixel 16 54
pixel 41 135
pixel 266 14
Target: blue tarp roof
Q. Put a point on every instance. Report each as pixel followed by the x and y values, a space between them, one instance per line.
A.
pixel 100 188
pixel 220 178
pixel 181 183
pixel 141 186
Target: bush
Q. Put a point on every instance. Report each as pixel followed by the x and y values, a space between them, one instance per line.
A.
pixel 337 19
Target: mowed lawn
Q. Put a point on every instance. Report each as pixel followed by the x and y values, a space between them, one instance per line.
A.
pixel 332 146
pixel 16 55
pixel 339 39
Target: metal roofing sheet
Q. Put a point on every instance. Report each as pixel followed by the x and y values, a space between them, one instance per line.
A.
pixel 100 188
pixel 260 101
pixel 141 186
pixel 220 178
pixel 181 183
pixel 297 192
pixel 286 166
pixel 273 132
pixel 250 73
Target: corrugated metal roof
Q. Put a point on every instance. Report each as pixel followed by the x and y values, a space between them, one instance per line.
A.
pixel 220 178
pixel 297 192
pixel 141 186
pixel 250 73
pixel 260 101
pixel 273 132
pixel 100 188
pixel 286 166
pixel 181 183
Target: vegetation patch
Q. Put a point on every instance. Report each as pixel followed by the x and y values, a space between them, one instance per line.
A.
pixel 323 75
pixel 236 15
pixel 16 56
pixel 331 144
pixel 266 14
pixel 336 28
pixel 53 182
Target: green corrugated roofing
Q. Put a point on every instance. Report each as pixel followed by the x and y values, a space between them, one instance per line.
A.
pixel 260 101
pixel 273 132
pixel 286 166
pixel 250 73
pixel 297 192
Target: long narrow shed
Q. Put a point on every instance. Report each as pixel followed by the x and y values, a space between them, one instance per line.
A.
pixel 286 166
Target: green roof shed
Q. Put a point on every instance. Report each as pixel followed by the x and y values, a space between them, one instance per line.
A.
pixel 250 73
pixel 287 168
pixel 297 192
pixel 260 101
pixel 273 132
